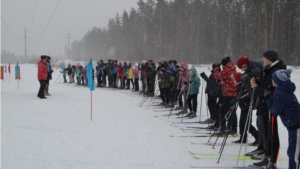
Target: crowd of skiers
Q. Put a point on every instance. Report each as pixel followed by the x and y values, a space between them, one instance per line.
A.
pixel 265 87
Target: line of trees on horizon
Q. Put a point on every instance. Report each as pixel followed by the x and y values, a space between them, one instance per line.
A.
pixel 196 31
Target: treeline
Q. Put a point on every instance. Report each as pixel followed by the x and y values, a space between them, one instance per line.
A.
pixel 197 31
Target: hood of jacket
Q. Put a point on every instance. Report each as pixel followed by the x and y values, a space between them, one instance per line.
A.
pixel 287 86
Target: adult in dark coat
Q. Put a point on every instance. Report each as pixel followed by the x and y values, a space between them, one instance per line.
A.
pixel 272 63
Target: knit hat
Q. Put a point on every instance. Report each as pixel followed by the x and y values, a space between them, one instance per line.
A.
pixel 150 61
pixel 225 60
pixel 271 55
pixel 281 76
pixel 242 62
pixel 183 65
pixel 43 56
pixel 238 77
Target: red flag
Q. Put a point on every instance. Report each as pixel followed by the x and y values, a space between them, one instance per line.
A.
pixel 9 67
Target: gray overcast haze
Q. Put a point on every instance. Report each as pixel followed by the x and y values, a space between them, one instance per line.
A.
pixel 75 16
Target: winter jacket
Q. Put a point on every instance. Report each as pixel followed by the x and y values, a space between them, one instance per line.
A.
pixel 84 73
pixel 49 69
pixel 120 70
pixel 78 72
pixel 165 80
pixel 194 82
pixel 213 88
pixel 245 98
pixel 151 74
pixel 130 72
pixel 69 69
pixel 185 77
pixel 285 104
pixel 42 71
pixel 266 85
pixel 227 83
pixel 136 72
pixel 114 69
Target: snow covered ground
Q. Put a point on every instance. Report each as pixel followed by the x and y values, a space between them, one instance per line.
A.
pixel 57 132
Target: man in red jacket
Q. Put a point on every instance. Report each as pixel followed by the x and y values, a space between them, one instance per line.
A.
pixel 42 76
pixel 228 93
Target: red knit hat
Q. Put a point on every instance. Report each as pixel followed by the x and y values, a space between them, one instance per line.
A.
pixel 238 77
pixel 242 62
pixel 150 61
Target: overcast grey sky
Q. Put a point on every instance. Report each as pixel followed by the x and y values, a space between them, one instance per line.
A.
pixel 75 16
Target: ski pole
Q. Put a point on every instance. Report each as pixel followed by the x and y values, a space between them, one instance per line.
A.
pixel 147 97
pixel 206 98
pixel 201 104
pixel 248 125
pixel 222 147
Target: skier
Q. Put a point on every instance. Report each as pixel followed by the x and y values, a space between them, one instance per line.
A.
pixel 151 74
pixel 136 78
pixel 284 103
pixel 183 86
pixel 194 85
pixel 251 70
pixel 228 91
pixel 271 62
pixel 214 94
pixel 49 70
pixel 42 76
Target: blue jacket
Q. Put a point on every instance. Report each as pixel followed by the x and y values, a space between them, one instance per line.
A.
pixel 285 104
pixel 194 82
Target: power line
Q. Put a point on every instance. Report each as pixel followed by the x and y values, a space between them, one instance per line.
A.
pixel 33 15
pixel 8 30
pixel 49 20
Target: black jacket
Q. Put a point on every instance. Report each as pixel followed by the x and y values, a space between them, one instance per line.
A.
pixel 266 85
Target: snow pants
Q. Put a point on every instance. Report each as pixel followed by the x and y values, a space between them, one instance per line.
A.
pixel 293 150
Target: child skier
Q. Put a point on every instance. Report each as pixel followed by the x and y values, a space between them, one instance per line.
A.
pixel 284 104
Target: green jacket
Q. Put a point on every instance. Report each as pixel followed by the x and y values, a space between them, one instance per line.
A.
pixel 194 82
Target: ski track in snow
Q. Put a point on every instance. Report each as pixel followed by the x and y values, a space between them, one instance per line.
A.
pixel 58 133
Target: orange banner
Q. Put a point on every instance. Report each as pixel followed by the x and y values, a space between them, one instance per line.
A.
pixel 1 73
pixel 19 74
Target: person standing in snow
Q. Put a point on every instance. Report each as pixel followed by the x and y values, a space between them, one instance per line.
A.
pixel 49 70
pixel 129 76
pixel 194 85
pixel 272 63
pixel 184 78
pixel 228 92
pixel 42 76
pixel 283 103
pixel 151 74
pixel 136 78
pixel 251 70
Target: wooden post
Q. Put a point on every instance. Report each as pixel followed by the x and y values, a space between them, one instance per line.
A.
pixel 91 106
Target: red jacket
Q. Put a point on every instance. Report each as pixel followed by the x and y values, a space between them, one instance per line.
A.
pixel 227 83
pixel 120 71
pixel 42 70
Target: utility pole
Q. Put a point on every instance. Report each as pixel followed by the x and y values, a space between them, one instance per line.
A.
pixel 68 45
pixel 25 45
